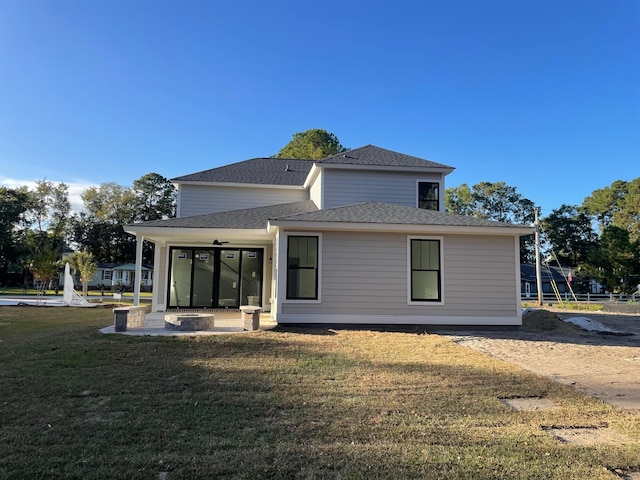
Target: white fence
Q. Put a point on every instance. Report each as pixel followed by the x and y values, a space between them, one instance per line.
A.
pixel 581 297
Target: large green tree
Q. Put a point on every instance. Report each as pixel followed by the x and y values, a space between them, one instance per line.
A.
pixel 494 201
pixel 110 206
pixel 615 261
pixel 568 230
pixel 14 204
pixel 155 197
pixel 618 205
pixel 491 201
pixel 98 229
pixel 313 144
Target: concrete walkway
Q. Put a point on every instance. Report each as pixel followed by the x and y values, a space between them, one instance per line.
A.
pixel 225 323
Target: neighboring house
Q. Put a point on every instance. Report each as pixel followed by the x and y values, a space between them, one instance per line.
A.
pixel 118 275
pixel 548 274
pixel 357 238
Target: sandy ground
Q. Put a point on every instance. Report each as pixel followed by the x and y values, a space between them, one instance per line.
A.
pixel 602 365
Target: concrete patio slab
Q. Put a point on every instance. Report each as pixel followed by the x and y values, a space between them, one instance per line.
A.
pixel 225 323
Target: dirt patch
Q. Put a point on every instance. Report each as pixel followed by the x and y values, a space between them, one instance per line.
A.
pixel 529 404
pixel 587 437
pixel 600 365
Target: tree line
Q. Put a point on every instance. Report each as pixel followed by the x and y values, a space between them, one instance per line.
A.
pixel 600 238
pixel 39 232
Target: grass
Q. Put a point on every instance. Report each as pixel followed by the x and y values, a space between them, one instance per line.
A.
pixel 278 405
pixel 585 306
pixel 10 291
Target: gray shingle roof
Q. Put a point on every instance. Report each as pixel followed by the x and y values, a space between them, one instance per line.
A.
pixel 273 171
pixel 372 155
pixel 251 218
pixel 387 213
pixel 260 171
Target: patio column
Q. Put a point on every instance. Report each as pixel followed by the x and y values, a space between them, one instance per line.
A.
pixel 137 278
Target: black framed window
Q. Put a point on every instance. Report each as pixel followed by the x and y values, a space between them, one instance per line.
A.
pixel 302 267
pixel 425 270
pixel 429 195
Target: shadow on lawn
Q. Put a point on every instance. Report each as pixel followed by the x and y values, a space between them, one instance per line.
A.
pixel 283 403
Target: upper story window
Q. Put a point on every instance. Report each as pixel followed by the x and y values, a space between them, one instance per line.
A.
pixel 429 195
pixel 302 267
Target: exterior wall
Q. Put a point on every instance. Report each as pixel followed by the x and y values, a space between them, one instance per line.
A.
pixel 346 187
pixel 315 191
pixel 202 199
pixel 364 279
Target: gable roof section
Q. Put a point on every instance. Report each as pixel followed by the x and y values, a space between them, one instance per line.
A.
pixel 370 155
pixel 257 171
pixel 250 218
pixel 294 172
pixel 388 213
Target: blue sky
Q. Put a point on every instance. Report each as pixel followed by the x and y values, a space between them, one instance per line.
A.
pixel 543 95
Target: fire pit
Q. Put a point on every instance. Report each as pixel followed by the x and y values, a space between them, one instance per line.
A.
pixel 188 322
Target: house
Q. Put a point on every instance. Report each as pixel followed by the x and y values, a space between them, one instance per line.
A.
pixel 115 276
pixel 357 238
pixel 121 275
pixel 549 275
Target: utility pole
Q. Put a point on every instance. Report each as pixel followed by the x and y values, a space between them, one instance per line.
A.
pixel 536 224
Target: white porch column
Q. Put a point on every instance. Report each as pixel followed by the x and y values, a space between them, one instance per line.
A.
pixel 138 272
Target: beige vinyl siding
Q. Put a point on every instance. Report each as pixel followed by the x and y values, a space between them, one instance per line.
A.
pixel 346 187
pixel 203 199
pixel 315 192
pixel 366 275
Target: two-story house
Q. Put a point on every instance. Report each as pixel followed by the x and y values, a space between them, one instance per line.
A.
pixel 358 238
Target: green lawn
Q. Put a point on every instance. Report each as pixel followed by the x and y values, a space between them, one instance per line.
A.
pixel 286 404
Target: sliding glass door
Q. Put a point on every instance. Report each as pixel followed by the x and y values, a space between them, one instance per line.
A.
pixel 215 277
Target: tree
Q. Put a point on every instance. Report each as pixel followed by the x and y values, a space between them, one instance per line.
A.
pixel 494 201
pixel 47 217
pixel 84 263
pixel 155 197
pixel 111 203
pixel 615 262
pixel 313 144
pixel 108 206
pixel 13 205
pixel 618 205
pixel 570 234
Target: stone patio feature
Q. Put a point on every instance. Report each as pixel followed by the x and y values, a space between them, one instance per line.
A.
pixel 226 322
pixel 189 322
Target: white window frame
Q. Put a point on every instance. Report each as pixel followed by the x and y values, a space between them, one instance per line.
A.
pixel 282 266
pixel 425 303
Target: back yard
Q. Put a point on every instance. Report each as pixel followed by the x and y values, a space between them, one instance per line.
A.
pixel 306 404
